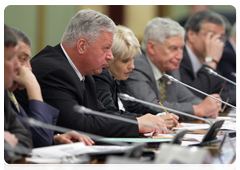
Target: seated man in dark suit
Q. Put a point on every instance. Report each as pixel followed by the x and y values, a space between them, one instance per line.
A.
pixel 14 132
pixel 227 64
pixel 64 74
pixel 38 109
pixel 162 46
pixel 205 37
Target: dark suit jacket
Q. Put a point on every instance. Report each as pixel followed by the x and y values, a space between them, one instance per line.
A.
pixel 107 89
pixel 205 82
pixel 14 126
pixel 42 112
pixel 142 85
pixel 227 64
pixel 62 89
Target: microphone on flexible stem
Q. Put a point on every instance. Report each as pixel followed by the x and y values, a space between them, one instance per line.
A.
pixel 210 135
pixel 17 149
pixel 177 81
pixel 130 98
pixel 210 71
pixel 233 74
pixel 135 150
pixel 35 123
pixel 83 109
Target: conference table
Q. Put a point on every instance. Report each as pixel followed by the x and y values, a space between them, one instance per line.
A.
pixel 99 165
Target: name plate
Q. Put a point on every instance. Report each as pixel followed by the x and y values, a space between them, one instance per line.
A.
pixel 121 163
pixel 183 158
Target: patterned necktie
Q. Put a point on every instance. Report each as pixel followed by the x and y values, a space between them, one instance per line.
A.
pixel 162 89
pixel 14 100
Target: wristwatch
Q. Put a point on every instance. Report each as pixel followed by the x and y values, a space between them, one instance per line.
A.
pixel 210 59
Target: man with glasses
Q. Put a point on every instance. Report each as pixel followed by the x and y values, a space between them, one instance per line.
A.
pixel 205 38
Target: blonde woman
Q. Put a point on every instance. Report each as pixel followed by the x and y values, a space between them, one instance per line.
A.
pixel 125 47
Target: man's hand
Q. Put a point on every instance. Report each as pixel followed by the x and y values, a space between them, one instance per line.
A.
pixel 209 107
pixel 26 78
pixel 151 120
pixel 214 48
pixel 171 120
pixel 10 138
pixel 72 137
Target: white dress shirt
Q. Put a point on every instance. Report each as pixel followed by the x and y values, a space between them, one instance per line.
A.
pixel 81 78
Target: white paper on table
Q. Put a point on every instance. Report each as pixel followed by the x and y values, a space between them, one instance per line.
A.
pixel 59 151
pixel 192 126
pixel 40 160
pixel 232 112
pixel 226 118
pixel 227 125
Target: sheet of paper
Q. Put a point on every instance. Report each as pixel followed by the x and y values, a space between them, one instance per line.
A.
pixel 226 118
pixel 227 125
pixel 192 126
pixel 59 151
pixel 146 140
pixel 40 160
pixel 232 112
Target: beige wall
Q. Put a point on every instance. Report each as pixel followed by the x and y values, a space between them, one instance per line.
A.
pixel 57 17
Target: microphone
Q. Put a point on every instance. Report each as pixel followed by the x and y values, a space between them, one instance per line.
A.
pixel 177 81
pixel 233 74
pixel 82 109
pixel 134 151
pixel 130 98
pixel 210 71
pixel 17 149
pixel 32 122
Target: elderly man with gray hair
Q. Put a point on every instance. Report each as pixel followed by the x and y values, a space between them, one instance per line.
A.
pixel 162 46
pixel 64 74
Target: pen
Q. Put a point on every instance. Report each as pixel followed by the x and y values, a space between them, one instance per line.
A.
pixel 162 106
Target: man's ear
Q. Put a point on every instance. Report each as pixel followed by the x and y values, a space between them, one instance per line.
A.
pixel 150 47
pixel 81 45
pixel 191 36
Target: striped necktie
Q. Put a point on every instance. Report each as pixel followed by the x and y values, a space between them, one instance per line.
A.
pixel 14 100
pixel 162 89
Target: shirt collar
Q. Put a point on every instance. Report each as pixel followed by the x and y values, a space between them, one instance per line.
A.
pixel 156 72
pixel 196 64
pixel 82 78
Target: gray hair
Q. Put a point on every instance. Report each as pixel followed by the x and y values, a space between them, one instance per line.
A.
pixel 10 38
pixel 233 31
pixel 158 29
pixel 196 21
pixel 87 24
pixel 22 37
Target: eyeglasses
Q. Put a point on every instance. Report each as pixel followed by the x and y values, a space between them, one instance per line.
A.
pixel 222 38
pixel 229 94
